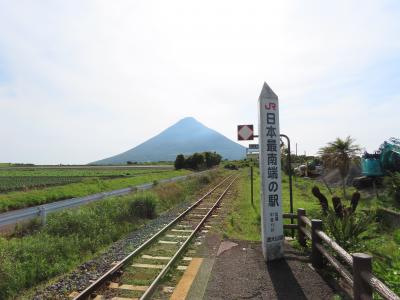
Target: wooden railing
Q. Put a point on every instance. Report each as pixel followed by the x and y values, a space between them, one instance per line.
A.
pixel 362 280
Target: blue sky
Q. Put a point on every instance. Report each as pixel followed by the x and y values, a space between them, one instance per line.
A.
pixel 83 80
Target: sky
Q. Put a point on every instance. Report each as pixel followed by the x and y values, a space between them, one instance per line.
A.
pixel 84 80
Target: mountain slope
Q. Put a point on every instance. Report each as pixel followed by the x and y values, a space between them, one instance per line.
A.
pixel 186 136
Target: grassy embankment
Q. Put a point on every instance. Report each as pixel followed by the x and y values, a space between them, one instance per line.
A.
pixel 74 236
pixel 380 241
pixel 21 199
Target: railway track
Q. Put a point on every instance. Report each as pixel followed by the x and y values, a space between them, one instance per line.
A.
pixel 139 274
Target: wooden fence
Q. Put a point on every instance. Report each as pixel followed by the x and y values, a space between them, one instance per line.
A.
pixel 362 280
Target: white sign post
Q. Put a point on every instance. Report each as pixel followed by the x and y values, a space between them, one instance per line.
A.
pixel 271 177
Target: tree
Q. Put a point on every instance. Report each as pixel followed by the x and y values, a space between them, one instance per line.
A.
pixel 339 154
pixel 195 161
pixel 179 162
pixel 212 159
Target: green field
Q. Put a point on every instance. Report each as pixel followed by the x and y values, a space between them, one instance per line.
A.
pixel 13 183
pixel 21 178
pixel 74 172
pixel 33 185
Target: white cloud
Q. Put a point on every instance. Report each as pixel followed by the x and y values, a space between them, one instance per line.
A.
pixel 89 79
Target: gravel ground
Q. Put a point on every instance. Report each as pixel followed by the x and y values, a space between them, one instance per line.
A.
pixel 91 270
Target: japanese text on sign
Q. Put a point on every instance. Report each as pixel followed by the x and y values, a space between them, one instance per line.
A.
pixel 270 167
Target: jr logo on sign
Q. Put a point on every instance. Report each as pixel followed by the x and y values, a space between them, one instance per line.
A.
pixel 270 106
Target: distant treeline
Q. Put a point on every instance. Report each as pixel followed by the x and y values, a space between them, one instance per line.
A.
pixel 197 161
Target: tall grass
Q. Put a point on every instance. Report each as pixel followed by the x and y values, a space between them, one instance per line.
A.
pixel 68 237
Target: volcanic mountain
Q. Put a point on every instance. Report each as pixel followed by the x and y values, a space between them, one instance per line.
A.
pixel 184 137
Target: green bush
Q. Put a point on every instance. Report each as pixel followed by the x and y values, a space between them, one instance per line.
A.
pixel 392 184
pixel 144 206
pixel 231 166
pixel 350 229
pixel 204 179
pixel 396 236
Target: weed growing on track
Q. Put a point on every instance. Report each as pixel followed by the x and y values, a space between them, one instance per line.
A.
pixel 73 236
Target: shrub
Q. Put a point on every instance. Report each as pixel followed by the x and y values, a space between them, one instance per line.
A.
pixel 144 206
pixel 204 179
pixel 343 223
pixel 30 227
pixel 392 184
pixel 231 166
pixel 350 229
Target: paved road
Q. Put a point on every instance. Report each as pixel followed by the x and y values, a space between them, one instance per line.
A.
pixel 15 216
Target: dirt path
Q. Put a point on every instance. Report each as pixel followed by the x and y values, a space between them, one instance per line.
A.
pixel 241 273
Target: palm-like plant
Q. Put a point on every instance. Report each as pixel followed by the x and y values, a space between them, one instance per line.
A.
pixel 339 154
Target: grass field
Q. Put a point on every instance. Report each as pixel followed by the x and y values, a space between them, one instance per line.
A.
pixel 86 186
pixel 13 183
pixel 74 172
pixel 17 178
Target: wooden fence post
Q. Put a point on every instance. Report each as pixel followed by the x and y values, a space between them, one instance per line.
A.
pixel 316 256
pixel 300 235
pixel 362 263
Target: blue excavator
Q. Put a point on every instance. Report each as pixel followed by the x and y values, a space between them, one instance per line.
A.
pixel 376 165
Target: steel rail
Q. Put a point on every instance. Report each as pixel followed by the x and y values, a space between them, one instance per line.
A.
pixel 91 288
pixel 148 293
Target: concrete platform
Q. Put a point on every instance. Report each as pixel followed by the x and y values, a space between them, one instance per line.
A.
pixel 236 270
